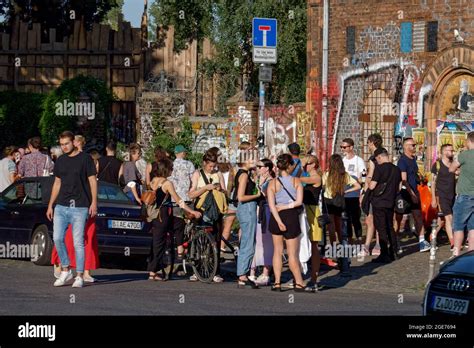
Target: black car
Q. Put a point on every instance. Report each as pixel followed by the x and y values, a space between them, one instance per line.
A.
pixel 121 228
pixel 451 292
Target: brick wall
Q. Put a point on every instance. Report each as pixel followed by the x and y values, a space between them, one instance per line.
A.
pixel 366 37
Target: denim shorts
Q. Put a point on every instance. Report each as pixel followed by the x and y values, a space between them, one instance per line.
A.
pixel 463 213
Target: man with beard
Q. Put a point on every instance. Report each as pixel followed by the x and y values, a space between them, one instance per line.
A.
pixel 443 189
pixel 75 189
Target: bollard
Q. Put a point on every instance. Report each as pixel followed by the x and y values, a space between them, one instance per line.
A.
pixel 344 261
pixel 434 227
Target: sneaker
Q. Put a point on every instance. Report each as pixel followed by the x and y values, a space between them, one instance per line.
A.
pixel 78 282
pixel 64 277
pixel 376 250
pixel 262 280
pixel 193 278
pixel 57 272
pixel 424 246
pixel 252 278
pixel 89 279
pixel 217 279
pixel 311 287
pixel 364 252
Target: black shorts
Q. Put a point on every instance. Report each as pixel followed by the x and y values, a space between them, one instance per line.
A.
pixel 445 205
pixel 291 220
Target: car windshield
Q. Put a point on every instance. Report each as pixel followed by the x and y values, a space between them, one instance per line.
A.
pixel 112 193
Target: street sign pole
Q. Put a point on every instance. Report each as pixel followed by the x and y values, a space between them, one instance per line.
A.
pixel 264 39
pixel 261 117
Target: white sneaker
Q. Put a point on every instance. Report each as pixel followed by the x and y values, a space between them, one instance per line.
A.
pixel 262 280
pixel 89 279
pixel 64 277
pixel 57 272
pixel 78 282
pixel 252 278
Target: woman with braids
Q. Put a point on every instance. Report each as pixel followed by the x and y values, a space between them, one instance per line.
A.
pixel 337 182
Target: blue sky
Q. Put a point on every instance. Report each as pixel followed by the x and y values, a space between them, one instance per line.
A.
pixel 133 10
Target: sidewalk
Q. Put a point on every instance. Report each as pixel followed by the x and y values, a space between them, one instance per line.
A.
pixel 409 274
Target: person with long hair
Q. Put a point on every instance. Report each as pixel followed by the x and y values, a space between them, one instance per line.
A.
pixel 264 243
pixel 247 194
pixel 165 191
pixel 159 154
pixel 285 195
pixel 311 193
pixel 374 142
pixel 337 182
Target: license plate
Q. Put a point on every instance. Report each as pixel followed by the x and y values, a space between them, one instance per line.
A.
pixel 448 304
pixel 128 225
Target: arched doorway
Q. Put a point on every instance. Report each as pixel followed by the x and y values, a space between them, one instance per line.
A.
pixel 451 98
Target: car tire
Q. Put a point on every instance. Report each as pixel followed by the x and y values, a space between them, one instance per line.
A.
pixel 41 238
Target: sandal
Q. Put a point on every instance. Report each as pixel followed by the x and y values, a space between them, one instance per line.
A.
pixel 276 287
pixel 247 282
pixel 299 288
pixel 156 277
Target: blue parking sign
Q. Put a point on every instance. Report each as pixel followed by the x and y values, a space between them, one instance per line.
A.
pixel 264 32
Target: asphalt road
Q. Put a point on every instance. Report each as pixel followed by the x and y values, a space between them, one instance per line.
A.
pixel 26 289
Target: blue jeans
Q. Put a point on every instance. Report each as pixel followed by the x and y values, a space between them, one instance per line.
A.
pixel 247 215
pixel 77 217
pixel 463 213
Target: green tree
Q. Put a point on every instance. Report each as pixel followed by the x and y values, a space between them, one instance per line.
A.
pixel 112 16
pixel 78 89
pixel 228 25
pixel 55 13
pixel 19 117
pixel 165 138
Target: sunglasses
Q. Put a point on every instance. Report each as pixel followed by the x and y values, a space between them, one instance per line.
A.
pixel 344 147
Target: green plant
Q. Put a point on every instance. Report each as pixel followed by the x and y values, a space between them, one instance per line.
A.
pixel 168 139
pixel 19 117
pixel 78 89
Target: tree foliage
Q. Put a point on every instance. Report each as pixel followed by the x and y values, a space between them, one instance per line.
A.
pixel 112 16
pixel 72 90
pixel 19 117
pixel 228 24
pixel 56 13
pixel 165 138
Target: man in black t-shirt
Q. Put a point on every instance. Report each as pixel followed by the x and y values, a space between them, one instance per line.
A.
pixel 385 184
pixel 443 189
pixel 109 165
pixel 409 168
pixel 75 193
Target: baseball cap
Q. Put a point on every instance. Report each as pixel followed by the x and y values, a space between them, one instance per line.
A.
pixel 179 149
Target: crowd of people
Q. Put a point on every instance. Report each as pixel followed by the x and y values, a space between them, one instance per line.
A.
pixel 277 205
